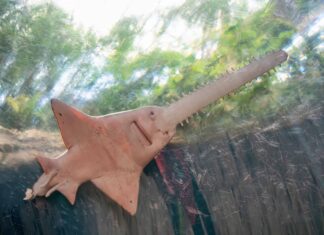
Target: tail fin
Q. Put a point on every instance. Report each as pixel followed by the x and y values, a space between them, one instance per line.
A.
pixel 68 188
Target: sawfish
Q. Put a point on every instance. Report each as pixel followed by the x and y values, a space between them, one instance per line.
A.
pixel 112 150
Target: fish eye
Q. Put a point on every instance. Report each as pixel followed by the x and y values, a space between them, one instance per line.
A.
pixel 152 115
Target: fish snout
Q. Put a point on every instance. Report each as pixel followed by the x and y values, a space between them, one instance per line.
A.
pixel 281 56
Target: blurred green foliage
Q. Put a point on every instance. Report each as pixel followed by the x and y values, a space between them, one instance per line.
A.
pixel 42 54
pixel 19 111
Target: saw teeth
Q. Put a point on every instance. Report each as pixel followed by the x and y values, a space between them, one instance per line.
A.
pixel 181 123
pixel 244 76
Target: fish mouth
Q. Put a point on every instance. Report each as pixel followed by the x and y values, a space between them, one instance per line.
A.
pixel 141 133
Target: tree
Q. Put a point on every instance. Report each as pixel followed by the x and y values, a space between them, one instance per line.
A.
pixel 38 44
pixel 42 55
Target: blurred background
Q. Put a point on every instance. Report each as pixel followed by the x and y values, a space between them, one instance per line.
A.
pixel 103 56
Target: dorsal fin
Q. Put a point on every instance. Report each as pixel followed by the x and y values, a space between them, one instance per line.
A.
pixel 47 164
pixel 70 121
pixel 122 187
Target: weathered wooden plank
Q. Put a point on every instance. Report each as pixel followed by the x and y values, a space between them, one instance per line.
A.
pixel 262 181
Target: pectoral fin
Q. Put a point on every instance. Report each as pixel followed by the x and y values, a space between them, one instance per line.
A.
pixel 122 187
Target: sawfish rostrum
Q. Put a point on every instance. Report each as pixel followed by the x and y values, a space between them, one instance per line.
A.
pixel 112 150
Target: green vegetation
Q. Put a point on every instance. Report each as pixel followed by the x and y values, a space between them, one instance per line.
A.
pixel 41 48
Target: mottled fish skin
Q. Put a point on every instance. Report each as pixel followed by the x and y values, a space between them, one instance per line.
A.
pixel 112 150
